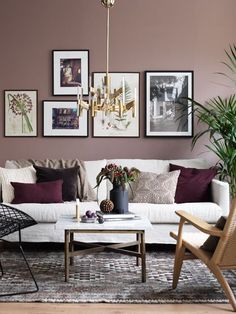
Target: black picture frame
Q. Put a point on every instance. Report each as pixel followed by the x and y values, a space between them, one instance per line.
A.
pixel 70 70
pixel 18 122
pixel 167 111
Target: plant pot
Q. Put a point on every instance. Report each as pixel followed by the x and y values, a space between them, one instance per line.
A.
pixel 120 199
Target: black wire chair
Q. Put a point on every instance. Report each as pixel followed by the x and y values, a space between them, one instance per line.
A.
pixel 12 220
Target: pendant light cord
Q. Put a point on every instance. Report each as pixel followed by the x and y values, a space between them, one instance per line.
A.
pixel 108 37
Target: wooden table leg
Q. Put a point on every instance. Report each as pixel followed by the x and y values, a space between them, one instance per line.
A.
pixel 143 256
pixel 67 235
pixel 139 248
pixel 71 247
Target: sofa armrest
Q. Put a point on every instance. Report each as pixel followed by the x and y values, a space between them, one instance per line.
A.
pixel 221 195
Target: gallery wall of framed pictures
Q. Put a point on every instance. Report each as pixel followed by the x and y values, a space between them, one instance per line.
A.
pixel 167 111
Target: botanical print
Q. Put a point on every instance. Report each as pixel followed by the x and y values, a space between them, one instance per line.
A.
pixel 60 118
pixel 70 72
pixel 111 124
pixel 167 110
pixel 20 113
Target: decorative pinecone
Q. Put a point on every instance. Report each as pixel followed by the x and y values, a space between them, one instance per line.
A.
pixel 106 206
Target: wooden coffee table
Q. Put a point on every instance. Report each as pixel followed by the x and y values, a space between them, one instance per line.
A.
pixel 132 226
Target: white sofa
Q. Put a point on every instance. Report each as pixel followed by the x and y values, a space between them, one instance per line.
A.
pixel 162 216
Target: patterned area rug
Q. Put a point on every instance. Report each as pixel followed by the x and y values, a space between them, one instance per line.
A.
pixel 109 277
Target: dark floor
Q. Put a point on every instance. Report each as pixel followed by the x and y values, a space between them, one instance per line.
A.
pixel 28 246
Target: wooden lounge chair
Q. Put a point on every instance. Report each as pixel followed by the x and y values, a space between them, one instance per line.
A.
pixel 224 256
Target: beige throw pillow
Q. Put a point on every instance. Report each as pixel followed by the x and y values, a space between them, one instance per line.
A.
pixel 22 175
pixel 156 188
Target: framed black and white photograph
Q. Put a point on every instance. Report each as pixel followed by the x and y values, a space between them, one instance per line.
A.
pixel 113 124
pixel 60 119
pixel 21 113
pixel 70 72
pixel 168 112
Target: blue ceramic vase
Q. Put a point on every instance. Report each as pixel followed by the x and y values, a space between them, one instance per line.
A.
pixel 120 199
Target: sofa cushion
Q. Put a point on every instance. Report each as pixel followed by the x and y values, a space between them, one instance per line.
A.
pixel 165 213
pixel 68 176
pixel 211 242
pixel 156 213
pixel 45 192
pixel 93 167
pixel 194 185
pixel 50 213
pixel 85 191
pixel 23 175
pixel 156 189
pixel 157 166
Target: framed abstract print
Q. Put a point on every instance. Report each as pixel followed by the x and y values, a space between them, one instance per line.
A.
pixel 60 119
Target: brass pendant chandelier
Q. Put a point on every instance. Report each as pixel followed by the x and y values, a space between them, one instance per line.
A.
pixel 104 99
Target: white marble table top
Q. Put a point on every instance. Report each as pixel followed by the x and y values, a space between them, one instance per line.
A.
pixel 67 222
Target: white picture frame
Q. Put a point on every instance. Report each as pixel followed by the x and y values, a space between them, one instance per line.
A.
pixel 60 119
pixel 109 126
pixel 70 71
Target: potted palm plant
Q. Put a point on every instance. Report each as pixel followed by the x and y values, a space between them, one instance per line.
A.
pixel 219 116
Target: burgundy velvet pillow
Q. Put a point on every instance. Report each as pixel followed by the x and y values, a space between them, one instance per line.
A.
pixel 194 185
pixel 46 192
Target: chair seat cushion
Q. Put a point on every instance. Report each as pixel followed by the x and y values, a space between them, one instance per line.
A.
pixel 211 242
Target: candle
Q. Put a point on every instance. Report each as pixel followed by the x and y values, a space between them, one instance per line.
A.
pixel 78 100
pixel 123 90
pixel 90 88
pixel 135 100
pixel 77 215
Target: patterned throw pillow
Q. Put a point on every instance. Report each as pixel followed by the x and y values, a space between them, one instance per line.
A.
pixel 23 175
pixel 156 188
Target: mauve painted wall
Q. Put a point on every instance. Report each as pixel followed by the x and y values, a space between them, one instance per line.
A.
pixel 145 35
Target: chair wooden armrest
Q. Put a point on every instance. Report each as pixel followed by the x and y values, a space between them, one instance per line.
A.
pixel 199 223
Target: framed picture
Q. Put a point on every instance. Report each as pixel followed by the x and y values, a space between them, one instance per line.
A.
pixel 168 113
pixel 21 112
pixel 112 125
pixel 60 119
pixel 70 71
